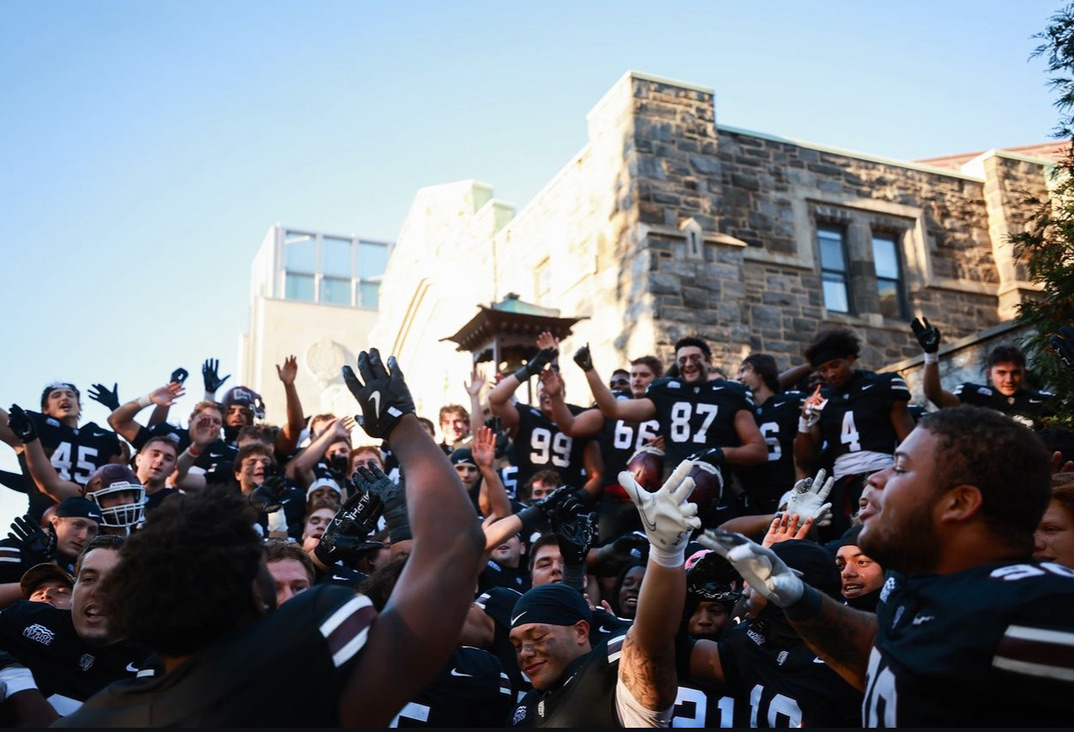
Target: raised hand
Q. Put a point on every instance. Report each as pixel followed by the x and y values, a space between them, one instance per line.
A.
pixel 667 517
pixel 551 383
pixel 502 440
pixel 268 497
pixel 355 520
pixel 786 527
pixel 381 393
pixel 476 383
pixel 584 358
pixel 371 479
pixel 561 505
pixel 759 566
pixel 32 538
pixel 100 393
pixel 1063 345
pixel 483 447
pixel 549 349
pixel 288 371
pixel 164 396
pixel 21 424
pixel 179 375
pixel 209 371
pixel 927 335
pixel 806 499
pixel 812 406
pixel 575 536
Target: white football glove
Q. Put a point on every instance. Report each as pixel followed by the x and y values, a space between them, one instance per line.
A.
pixel 667 517
pixel 806 499
pixel 810 415
pixel 759 566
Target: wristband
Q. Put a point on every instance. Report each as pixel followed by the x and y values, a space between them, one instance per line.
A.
pixel 194 452
pixel 528 517
pixel 574 576
pixel 806 607
pixel 144 401
pixel 522 374
pixel 673 558
pixel 803 425
pixel 932 358
pixel 15 679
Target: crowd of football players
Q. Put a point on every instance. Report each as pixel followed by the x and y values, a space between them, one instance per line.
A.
pixel 681 546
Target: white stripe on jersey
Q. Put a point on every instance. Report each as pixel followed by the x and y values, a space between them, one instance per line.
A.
pixel 615 648
pixel 340 616
pixel 1036 646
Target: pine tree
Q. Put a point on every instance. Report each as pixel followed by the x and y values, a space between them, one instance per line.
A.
pixel 1046 246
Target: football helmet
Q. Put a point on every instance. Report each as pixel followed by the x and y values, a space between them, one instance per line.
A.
pixel 247 397
pixel 116 491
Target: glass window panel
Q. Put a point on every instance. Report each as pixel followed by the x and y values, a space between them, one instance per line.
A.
pixel 884 256
pixel 369 294
pixel 372 259
pixel 835 294
pixel 300 253
pixel 831 249
pixel 335 257
pixel 335 291
pixel 890 306
pixel 299 287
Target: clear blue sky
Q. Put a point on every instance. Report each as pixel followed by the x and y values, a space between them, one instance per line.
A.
pixel 148 146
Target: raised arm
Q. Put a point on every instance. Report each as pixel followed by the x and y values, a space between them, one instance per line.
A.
pixel 647 667
pixel 808 441
pixel 630 410
pixel 474 387
pixel 301 467
pixel 122 419
pixel 6 434
pixel 202 434
pixel 287 438
pixel 45 476
pixel 500 397
pixel 413 636
pixel 586 424
pixel 840 635
pixel 492 498
pixel 928 336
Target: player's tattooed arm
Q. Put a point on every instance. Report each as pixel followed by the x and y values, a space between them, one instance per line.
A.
pixel 652 679
pixel 843 637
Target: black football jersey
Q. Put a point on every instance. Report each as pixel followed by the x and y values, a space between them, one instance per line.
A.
pixel 496 575
pixel 470 691
pixel 619 440
pixel 1027 406
pixel 695 417
pixel 498 602
pixel 991 646
pixel 585 696
pixel 67 670
pixel 541 445
pixel 857 416
pixel 243 680
pixel 778 682
pixel 75 453
pixel 701 703
pixel 777 420
pixel 212 457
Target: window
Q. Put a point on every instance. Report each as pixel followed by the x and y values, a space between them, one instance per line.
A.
pixel 369 294
pixel 336 257
pixel 888 275
pixel 299 287
pixel 335 291
pixel 833 269
pixel 542 280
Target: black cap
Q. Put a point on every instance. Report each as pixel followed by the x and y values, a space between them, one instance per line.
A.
pixel 79 508
pixel 39 573
pixel 463 455
pixel 555 604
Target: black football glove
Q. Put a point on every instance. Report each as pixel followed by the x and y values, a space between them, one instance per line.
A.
pixel 536 364
pixel 100 393
pixel 584 358
pixel 563 503
pixel 268 497
pixel 575 535
pixel 611 558
pixel 354 521
pixel 33 539
pixel 371 479
pixel 179 375
pixel 381 393
pixel 21 424
pixel 927 335
pixel 210 375
pixel 712 455
pixel 502 440
pixel 1063 345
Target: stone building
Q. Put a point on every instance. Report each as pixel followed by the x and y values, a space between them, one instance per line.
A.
pixel 666 224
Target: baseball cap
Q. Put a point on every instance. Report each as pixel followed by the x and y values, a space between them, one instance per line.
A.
pixel 39 573
pixel 79 508
pixel 462 456
pixel 323 483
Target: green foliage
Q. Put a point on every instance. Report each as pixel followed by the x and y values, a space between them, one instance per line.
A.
pixel 1046 246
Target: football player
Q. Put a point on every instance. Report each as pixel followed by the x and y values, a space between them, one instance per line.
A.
pixel 1005 392
pixel 969 630
pixel 859 416
pixel 193 586
pixel 539 443
pixel 708 419
pixel 63 453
